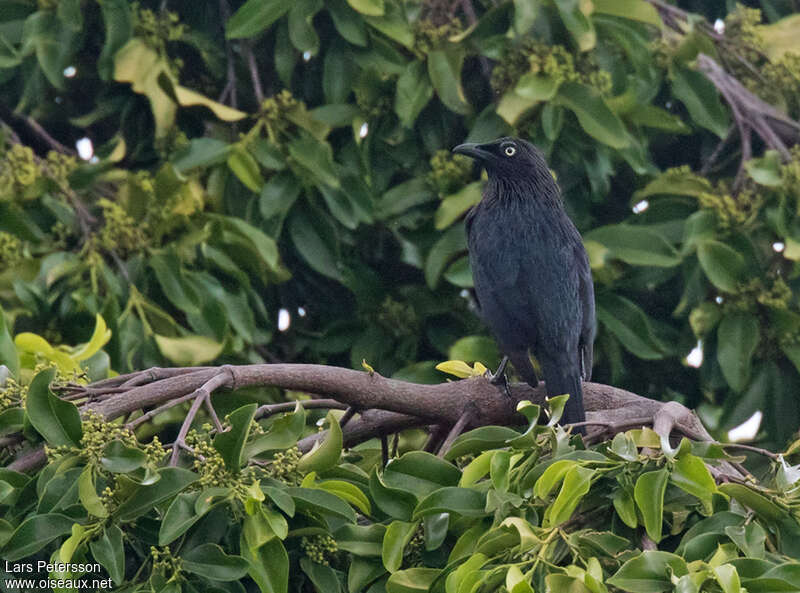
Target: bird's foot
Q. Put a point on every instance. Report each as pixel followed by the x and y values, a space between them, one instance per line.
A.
pixel 499 377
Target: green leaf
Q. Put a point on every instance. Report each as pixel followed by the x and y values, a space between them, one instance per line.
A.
pixel 451 243
pixel 766 170
pixel 319 251
pixel 118 458
pixel 8 351
pixel 444 70
pixel 691 475
pixel 118 26
pixel 188 350
pixel 577 482
pixel 700 96
pixel 538 87
pixel 394 24
pixel 188 98
pixel 269 565
pixel 258 242
pixel 395 502
pixel 283 433
pixel 454 205
pixel 255 16
pixel 51 42
pixel 200 152
pixel 398 534
pixel 636 10
pixel 87 493
pixel 480 439
pixel 34 533
pixel 316 158
pixel 140 65
pixel 594 115
pixel 144 498
pixel 362 572
pixel 110 553
pixel 636 245
pixel 649 496
pixel 649 572
pixel 347 492
pixel 625 507
pixel 211 562
pixel 737 339
pixel 58 421
pixel 323 577
pixel 728 578
pixel 414 90
pixel 754 500
pixel 630 325
pixel 420 473
pixel 575 16
pixel 750 538
pixel 301 31
pixel 245 167
pixel 361 540
pixel 368 7
pixel 463 501
pixel 723 265
pixel 11 420
pixel 412 580
pixel 319 501
pixel 180 516
pixel 675 182
pixel 230 444
pixel 551 476
pixel 780 37
pixel 651 116
pixel 349 26
pixel 324 454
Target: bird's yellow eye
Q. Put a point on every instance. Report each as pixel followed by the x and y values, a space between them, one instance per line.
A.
pixel 510 150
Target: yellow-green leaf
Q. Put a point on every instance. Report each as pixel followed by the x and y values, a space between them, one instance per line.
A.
pixel 188 97
pixel 188 350
pixel 99 339
pixel 324 454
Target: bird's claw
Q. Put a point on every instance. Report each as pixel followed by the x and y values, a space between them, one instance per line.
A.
pixel 499 378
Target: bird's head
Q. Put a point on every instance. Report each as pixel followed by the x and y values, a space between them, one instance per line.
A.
pixel 507 157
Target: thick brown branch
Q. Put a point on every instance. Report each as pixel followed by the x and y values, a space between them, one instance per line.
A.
pixel 387 405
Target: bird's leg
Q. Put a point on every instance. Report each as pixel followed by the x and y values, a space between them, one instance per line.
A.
pixel 499 377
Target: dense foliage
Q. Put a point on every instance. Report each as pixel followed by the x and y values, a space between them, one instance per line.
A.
pixel 265 156
pixel 504 510
pixel 320 181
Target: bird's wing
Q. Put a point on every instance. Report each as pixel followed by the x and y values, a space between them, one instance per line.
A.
pixel 588 324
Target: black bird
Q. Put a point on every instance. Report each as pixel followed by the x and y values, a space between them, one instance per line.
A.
pixel 532 278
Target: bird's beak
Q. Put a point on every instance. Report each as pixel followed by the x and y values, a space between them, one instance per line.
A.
pixel 475 151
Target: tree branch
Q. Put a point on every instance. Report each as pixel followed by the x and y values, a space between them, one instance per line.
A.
pixel 387 406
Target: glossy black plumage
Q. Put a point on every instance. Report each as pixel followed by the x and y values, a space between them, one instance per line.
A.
pixel 531 272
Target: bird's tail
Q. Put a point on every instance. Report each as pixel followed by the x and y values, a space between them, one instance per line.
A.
pixel 560 381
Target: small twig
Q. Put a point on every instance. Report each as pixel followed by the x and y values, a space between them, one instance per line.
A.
pixel 180 442
pixel 744 447
pixel 384 449
pixel 648 544
pixel 42 133
pixel 213 413
pixel 712 158
pixel 348 414
pixel 230 84
pixel 156 411
pixel 10 441
pixel 436 434
pixel 254 75
pixel 457 429
pixel 272 409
